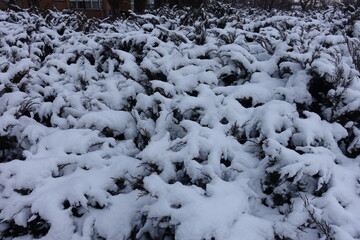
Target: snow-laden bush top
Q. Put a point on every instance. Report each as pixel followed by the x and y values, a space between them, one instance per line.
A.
pixel 217 123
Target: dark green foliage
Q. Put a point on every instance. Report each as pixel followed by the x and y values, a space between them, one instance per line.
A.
pixel 37 227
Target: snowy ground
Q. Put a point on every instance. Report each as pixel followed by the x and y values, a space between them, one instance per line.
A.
pixel 221 124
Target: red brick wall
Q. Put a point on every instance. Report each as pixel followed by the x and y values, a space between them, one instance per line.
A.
pixel 99 13
pixel 65 4
pixel 3 5
pixel 126 5
pixel 49 4
pixel 20 3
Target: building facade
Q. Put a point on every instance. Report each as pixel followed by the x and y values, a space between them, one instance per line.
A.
pixel 91 8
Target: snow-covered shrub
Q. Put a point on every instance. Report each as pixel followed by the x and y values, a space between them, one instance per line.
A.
pixel 214 123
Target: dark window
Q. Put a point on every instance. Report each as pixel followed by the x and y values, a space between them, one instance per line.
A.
pixel 96 4
pixel 89 4
pixel 81 4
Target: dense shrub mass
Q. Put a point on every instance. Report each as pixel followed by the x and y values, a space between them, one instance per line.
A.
pixel 217 123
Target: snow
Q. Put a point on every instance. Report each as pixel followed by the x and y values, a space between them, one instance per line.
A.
pixel 176 126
